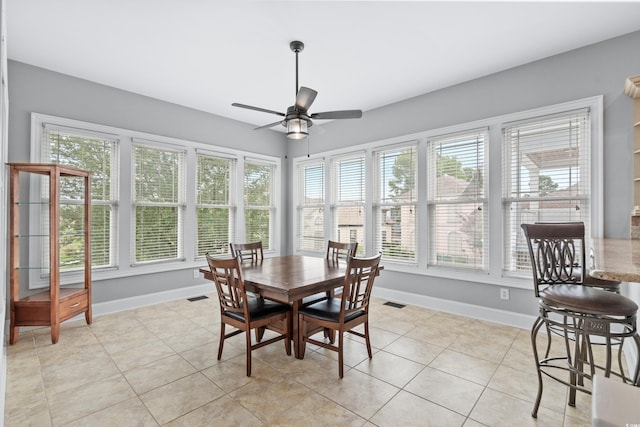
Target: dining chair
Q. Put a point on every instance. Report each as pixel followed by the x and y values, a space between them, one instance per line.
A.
pixel 336 252
pixel 583 316
pixel 345 313
pixel 251 252
pixel 245 314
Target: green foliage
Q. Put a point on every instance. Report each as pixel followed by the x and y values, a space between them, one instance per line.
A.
pixel 546 185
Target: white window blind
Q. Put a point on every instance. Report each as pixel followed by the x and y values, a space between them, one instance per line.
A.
pixel 348 178
pixel 311 206
pixel 546 177
pixel 258 202
pixel 215 210
pixel 97 153
pixel 158 181
pixel 457 200
pixel 395 203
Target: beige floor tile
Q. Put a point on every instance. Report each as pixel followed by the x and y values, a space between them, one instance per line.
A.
pixel 131 412
pixel 520 360
pixel 316 411
pixel 416 350
pixel 380 338
pixel 524 385
pixel 140 356
pixel 145 378
pixel 480 346
pixel 354 353
pixel 222 411
pixel 76 403
pixel 444 389
pixel 77 372
pixel 191 339
pixel 231 374
pixel 439 334
pixel 406 409
pixel 472 423
pixel 115 324
pixel 499 409
pixel 390 368
pixel 115 342
pixel 470 368
pixel 267 397
pixel 358 392
pixel 175 399
pixel 205 356
pixel 32 414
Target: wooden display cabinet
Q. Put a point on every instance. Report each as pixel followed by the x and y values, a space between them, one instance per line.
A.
pixel 55 305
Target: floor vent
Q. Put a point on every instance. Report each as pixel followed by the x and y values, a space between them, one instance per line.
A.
pixel 192 299
pixel 394 304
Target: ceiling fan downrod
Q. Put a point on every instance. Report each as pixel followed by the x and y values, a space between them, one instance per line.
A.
pixel 297 47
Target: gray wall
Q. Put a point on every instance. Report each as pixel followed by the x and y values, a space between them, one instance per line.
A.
pixel 37 90
pixel 593 70
pixel 599 69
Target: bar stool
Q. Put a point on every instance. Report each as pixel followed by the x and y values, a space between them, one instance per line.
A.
pixel 582 315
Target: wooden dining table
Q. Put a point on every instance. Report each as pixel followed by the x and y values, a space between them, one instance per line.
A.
pixel 289 279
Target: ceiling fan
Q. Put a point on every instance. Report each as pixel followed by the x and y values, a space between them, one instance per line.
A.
pixel 297 120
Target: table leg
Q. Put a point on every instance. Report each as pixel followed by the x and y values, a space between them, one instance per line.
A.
pixel 295 325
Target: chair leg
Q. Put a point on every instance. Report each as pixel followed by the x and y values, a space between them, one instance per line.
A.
pixel 260 333
pixel 534 333
pixel 248 339
pixel 221 340
pixel 636 374
pixel 302 326
pixel 287 340
pixel 366 338
pixel 340 353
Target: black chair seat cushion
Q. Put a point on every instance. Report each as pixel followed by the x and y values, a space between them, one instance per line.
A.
pixel 259 308
pixel 329 310
pixel 588 300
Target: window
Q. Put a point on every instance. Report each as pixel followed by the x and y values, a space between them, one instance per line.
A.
pixel 97 153
pixel 310 232
pixel 395 203
pixel 215 211
pixel 449 202
pixel 258 202
pixel 546 177
pixel 348 204
pixel 158 203
pixel 182 199
pixel 456 200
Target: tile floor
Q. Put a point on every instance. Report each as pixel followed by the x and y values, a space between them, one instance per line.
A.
pixel 157 366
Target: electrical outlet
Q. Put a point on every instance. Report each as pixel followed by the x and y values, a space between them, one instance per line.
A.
pixel 196 274
pixel 504 293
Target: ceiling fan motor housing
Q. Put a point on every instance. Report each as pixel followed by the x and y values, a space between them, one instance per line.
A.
pixel 294 113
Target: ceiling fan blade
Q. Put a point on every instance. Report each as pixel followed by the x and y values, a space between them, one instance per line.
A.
pixel 264 110
pixel 305 98
pixel 269 125
pixel 342 114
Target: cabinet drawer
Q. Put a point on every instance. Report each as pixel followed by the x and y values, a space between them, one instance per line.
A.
pixel 74 304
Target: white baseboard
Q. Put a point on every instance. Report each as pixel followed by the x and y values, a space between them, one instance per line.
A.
pixel 502 317
pixel 102 308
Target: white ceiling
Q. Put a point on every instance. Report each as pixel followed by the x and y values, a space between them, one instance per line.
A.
pixel 206 54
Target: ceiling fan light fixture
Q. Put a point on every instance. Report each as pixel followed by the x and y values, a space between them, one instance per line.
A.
pixel 297 129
